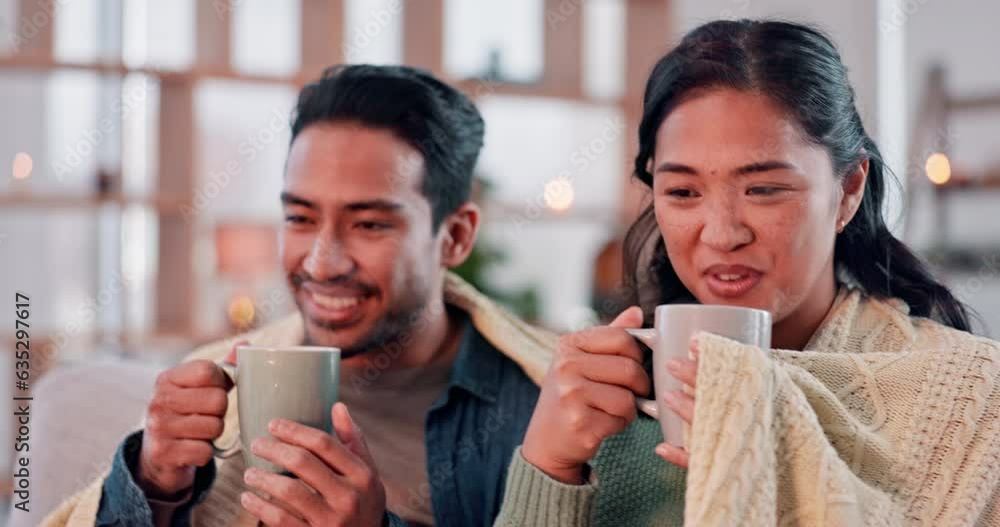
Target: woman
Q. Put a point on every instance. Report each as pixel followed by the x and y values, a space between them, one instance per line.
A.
pixel 876 407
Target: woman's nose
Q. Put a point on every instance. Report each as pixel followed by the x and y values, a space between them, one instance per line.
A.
pixel 724 228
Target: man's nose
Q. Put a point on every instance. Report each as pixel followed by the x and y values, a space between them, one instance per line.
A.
pixel 328 259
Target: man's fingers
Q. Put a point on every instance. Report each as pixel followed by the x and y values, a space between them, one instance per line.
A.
pixel 205 401
pixel 292 494
pixel 325 446
pixel 180 453
pixel 350 433
pixel 184 426
pixel 268 513
pixel 197 374
pixel 301 462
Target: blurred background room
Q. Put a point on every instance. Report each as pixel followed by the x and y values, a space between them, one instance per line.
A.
pixel 146 141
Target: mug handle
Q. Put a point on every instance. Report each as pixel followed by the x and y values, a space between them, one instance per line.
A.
pixel 230 450
pixel 648 337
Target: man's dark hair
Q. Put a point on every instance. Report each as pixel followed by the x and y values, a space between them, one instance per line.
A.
pixel 437 120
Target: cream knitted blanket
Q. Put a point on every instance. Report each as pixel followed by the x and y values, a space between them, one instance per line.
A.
pixel 892 421
pixel 528 346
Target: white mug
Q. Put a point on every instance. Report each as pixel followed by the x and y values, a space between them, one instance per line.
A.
pixel 670 337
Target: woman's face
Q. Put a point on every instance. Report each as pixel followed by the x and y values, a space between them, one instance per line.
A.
pixel 747 206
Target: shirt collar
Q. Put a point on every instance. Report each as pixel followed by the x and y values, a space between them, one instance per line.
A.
pixel 477 364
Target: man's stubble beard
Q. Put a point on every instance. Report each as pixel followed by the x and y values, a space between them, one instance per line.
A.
pixel 389 328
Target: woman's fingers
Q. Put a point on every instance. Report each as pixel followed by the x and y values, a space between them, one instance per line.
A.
pixel 673 454
pixel 614 370
pixel 681 403
pixel 684 370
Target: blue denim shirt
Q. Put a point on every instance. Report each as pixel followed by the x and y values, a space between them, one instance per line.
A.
pixel 471 432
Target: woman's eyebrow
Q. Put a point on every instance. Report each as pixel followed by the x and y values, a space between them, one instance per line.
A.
pixel 765 166
pixel 752 168
pixel 667 166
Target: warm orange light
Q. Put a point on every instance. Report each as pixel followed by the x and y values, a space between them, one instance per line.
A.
pixel 559 194
pixel 242 312
pixel 938 168
pixel 22 165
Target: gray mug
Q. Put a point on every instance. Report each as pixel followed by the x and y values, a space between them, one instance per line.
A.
pixel 297 383
pixel 670 337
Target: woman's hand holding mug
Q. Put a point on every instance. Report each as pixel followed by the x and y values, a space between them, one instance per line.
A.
pixel 588 395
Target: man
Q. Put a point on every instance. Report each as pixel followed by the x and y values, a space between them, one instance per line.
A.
pixel 436 379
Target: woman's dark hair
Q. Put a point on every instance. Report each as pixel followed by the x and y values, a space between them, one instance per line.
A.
pixel 437 120
pixel 800 69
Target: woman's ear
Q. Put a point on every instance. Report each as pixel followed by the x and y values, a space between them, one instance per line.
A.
pixel 459 231
pixel 853 187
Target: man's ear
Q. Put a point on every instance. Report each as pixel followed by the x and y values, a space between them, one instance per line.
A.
pixel 853 187
pixel 458 231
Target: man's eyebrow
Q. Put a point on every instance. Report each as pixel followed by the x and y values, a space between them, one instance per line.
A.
pixel 383 205
pixel 287 198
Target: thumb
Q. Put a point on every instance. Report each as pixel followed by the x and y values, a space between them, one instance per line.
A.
pixel 228 362
pixel 349 432
pixel 630 318
pixel 231 356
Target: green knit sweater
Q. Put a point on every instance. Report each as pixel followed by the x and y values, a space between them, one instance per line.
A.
pixel 630 485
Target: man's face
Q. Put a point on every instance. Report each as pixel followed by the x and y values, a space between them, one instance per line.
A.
pixel 357 245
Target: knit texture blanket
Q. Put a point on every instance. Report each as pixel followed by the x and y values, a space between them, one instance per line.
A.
pixel 886 419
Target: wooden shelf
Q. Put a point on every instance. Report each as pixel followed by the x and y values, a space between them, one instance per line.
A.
pixel 165 204
pixel 190 75
pixel 475 88
pixel 971 182
pixel 483 89
pixel 972 103
pixel 960 259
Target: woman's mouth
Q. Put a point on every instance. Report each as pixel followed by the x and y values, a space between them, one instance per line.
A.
pixel 731 281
